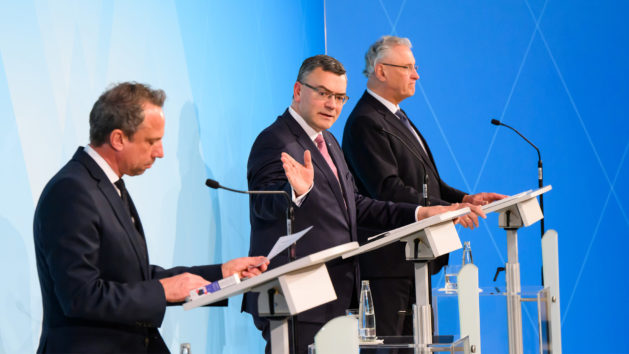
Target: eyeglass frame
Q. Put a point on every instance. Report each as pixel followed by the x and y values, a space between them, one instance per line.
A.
pixel 322 91
pixel 407 67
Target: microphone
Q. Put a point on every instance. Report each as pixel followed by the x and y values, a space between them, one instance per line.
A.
pixel 290 220
pixel 290 213
pixel 212 183
pixel 421 161
pixel 540 170
pixel 215 185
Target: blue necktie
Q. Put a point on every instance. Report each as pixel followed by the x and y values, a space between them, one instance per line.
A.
pixel 404 119
pixel 400 114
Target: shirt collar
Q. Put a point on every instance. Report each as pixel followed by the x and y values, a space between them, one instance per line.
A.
pixel 390 106
pixel 312 134
pixel 100 161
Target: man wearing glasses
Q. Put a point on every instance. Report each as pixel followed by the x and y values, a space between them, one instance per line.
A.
pixel 322 189
pixel 391 161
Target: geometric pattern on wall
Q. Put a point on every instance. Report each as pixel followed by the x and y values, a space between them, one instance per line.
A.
pixel 554 70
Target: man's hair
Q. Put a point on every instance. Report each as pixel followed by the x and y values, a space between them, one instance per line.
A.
pixel 120 107
pixel 380 49
pixel 325 62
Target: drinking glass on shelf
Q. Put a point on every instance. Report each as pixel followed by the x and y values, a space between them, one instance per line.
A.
pixel 451 272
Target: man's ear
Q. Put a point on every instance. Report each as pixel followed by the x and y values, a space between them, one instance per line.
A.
pixel 116 139
pixel 378 71
pixel 297 91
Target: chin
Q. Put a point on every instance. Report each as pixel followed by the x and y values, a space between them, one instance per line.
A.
pixel 137 172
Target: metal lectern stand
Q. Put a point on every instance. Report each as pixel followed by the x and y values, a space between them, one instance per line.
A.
pixel 518 211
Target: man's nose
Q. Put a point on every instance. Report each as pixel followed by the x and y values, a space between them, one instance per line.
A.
pixel 414 74
pixel 330 102
pixel 158 151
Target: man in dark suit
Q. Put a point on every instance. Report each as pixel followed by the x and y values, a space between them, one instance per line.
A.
pixel 322 188
pixel 99 292
pixel 392 161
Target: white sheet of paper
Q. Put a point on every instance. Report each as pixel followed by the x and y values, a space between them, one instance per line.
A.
pixel 285 241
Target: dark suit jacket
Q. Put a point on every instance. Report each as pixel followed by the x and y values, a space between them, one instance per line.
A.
pixel 389 164
pixel 99 293
pixel 324 207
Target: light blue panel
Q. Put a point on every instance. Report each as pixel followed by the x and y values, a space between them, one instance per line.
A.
pixel 555 70
pixel 242 69
pixel 19 319
pixel 28 80
pixel 228 71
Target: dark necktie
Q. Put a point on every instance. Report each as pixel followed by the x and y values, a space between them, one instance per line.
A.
pixel 404 119
pixel 124 194
pixel 135 219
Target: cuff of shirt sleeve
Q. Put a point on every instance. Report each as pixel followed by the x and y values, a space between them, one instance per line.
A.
pixel 298 200
pixel 417 212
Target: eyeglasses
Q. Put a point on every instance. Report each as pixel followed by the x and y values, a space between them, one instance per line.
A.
pixel 408 67
pixel 326 94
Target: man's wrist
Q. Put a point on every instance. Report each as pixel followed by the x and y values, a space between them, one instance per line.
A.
pixel 298 200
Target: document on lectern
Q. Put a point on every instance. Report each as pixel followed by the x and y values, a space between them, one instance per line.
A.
pixel 285 241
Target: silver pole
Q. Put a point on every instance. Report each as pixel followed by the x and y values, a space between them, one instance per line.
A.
pixel 514 308
pixel 423 319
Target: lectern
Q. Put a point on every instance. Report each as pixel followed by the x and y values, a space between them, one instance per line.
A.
pixel 425 240
pixel 522 210
pixel 285 291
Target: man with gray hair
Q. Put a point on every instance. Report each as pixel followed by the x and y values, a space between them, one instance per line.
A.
pixel 391 161
pixel 100 293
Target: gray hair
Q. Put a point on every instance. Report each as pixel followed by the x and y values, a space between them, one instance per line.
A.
pixel 380 49
pixel 325 62
pixel 120 107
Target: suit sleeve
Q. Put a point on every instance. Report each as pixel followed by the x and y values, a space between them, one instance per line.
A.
pixel 450 194
pixel 68 224
pixel 265 173
pixel 369 152
pixel 208 272
pixel 378 214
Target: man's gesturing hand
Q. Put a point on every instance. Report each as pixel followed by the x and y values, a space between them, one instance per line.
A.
pixel 299 176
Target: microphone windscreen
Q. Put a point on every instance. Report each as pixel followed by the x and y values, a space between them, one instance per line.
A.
pixel 212 183
pixel 495 122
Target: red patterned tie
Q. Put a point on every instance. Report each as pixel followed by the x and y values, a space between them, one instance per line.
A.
pixel 324 151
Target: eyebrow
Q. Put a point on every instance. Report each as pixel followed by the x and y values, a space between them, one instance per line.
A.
pixel 330 91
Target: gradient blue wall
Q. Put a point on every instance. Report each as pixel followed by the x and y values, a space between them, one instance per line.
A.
pixel 228 70
pixel 556 70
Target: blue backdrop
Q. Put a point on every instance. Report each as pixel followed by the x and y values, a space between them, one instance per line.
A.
pixel 228 70
pixel 554 69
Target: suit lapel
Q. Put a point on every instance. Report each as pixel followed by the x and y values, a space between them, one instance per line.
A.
pixel 342 170
pixel 317 159
pixel 115 202
pixel 399 128
pixel 429 157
